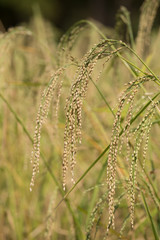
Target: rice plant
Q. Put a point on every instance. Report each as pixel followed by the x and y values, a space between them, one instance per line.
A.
pixel 95 99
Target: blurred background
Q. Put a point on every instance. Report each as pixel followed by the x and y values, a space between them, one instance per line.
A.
pixel 64 13
pixel 28 62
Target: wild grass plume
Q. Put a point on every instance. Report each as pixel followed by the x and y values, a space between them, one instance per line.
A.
pixel 95 147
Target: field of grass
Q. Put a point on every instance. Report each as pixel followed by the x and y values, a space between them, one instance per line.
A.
pixel 79 130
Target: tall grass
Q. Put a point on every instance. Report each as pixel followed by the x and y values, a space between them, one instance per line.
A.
pixel 95 102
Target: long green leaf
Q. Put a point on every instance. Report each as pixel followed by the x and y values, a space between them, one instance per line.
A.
pixel 150 218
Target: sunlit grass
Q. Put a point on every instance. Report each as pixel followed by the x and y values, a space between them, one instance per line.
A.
pixel 95 102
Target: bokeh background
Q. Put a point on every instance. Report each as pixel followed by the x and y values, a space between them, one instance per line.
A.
pixel 28 60
pixel 63 13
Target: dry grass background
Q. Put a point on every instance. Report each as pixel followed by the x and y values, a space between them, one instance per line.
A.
pixel 74 91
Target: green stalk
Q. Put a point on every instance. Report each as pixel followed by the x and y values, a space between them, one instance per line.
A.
pixel 130 28
pixel 100 93
pixel 95 192
pixel 140 59
pixel 150 181
pixel 84 174
pixel 150 217
pixel 145 106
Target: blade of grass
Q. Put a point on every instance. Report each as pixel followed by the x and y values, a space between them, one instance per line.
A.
pixel 95 192
pixel 83 175
pixel 150 217
pixel 148 68
pixel 145 106
pixel 151 183
pixel 102 96
pixel 129 25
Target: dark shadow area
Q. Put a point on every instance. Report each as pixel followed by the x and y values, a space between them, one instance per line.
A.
pixel 64 13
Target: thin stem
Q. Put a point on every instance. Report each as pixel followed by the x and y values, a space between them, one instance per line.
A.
pixel 102 96
pixel 140 59
pixel 150 217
